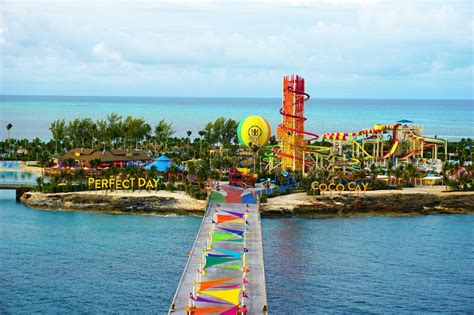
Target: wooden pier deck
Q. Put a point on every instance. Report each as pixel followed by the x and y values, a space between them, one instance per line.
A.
pixel 248 280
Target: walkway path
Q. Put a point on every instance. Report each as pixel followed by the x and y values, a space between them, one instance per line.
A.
pixel 225 272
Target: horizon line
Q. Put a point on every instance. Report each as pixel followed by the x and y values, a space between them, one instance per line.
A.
pixel 233 97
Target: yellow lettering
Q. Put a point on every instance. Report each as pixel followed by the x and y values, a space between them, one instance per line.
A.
pixel 127 186
pixel 323 185
pixel 314 185
pixel 357 188
pixel 149 185
pixel 156 182
pixel 351 186
pixel 132 180
pixel 118 184
pixel 331 187
pixel 90 180
pixel 340 187
pixel 365 185
pixel 105 183
pixel 97 184
pixel 141 182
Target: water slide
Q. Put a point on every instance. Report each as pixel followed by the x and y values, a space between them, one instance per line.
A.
pixel 276 150
pixel 430 140
pixel 427 142
pixel 385 156
pixel 391 151
pixel 410 154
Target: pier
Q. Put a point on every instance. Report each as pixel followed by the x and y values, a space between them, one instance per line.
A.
pixel 224 273
pixel 20 188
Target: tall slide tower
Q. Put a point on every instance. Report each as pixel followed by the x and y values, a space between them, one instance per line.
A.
pixel 291 131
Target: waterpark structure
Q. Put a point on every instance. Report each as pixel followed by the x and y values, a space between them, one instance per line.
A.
pixel 297 149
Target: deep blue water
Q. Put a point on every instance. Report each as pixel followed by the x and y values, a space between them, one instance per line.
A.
pixel 58 262
pixel 79 262
pixel 370 264
pixel 31 116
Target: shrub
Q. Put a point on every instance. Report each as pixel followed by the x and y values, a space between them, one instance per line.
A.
pixel 170 187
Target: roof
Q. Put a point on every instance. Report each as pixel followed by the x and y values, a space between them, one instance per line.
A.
pixel 405 121
pixel 161 164
pixel 114 155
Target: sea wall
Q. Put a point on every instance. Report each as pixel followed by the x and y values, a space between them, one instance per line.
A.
pixel 146 204
pixel 390 204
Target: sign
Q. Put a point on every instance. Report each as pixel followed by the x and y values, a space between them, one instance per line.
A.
pixel 333 187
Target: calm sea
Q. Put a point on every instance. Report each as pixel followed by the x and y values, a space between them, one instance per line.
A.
pixel 78 262
pixel 31 115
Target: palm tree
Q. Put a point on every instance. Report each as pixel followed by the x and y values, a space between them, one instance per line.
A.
pixel 9 127
pixel 398 172
pixel 201 134
pixel 189 133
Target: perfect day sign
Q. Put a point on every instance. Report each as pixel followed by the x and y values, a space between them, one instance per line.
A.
pixel 119 184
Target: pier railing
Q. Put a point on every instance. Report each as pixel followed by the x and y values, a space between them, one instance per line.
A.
pixel 190 254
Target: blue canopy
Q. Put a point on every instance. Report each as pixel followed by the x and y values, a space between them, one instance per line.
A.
pixel 162 164
pixel 405 121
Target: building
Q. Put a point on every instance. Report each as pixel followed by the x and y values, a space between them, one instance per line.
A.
pixel 84 156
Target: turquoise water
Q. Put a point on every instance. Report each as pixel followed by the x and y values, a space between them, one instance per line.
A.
pixel 79 262
pixel 31 115
pixel 14 177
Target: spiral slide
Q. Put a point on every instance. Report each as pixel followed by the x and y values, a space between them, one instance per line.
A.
pixel 276 150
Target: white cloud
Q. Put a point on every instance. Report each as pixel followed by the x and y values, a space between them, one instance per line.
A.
pixel 101 51
pixel 347 45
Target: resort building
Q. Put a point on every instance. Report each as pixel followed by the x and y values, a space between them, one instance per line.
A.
pixel 115 156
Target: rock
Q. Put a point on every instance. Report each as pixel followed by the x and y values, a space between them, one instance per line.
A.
pixel 112 203
pixel 390 204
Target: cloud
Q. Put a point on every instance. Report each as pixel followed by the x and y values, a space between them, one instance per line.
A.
pixel 343 48
pixel 101 51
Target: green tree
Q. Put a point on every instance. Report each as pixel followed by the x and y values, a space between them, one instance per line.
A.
pixel 163 132
pixel 58 131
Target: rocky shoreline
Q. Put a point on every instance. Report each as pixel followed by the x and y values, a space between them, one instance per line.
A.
pixel 295 205
pixel 387 204
pixel 167 204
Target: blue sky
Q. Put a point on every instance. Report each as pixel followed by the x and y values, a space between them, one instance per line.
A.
pixel 344 49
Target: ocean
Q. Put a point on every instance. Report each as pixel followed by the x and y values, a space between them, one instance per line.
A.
pixel 31 116
pixel 81 262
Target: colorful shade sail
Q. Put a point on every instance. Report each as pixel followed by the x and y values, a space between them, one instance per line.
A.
pixel 209 284
pixel 212 261
pixel 228 252
pixel 231 296
pixel 221 218
pixel 203 300
pixel 231 311
pixel 237 232
pixel 207 310
pixel 237 214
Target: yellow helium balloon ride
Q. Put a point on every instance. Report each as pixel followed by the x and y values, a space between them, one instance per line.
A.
pixel 254 131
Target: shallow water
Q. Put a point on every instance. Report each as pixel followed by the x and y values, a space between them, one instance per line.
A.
pixel 57 262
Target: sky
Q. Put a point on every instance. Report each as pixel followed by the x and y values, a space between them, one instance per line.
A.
pixel 343 49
